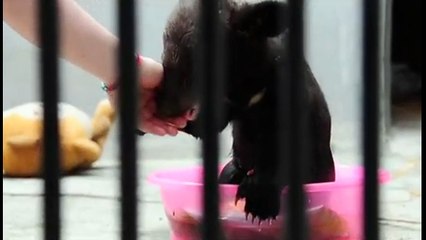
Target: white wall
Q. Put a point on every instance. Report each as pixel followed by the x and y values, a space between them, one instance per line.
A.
pixel 333 48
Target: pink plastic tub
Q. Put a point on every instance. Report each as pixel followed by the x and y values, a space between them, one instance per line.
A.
pixel 334 209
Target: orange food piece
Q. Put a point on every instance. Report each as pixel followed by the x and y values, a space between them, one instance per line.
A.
pixel 184 225
pixel 326 223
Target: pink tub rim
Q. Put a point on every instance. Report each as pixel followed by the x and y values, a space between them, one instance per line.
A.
pixel 159 178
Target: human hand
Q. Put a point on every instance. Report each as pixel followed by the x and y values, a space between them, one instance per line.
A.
pixel 150 77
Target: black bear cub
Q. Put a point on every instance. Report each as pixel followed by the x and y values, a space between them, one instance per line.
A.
pixel 253 43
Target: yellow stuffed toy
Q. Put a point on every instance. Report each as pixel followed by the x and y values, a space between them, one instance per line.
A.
pixel 81 138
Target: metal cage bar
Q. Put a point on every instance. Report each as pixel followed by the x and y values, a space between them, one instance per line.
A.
pixel 370 134
pixel 128 119
pixel 296 117
pixel 209 71
pixel 48 19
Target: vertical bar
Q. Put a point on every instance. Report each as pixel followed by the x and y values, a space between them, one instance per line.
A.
pixel 210 74
pixel 48 19
pixel 386 81
pixel 292 115
pixel 127 112
pixel 298 118
pixel 371 116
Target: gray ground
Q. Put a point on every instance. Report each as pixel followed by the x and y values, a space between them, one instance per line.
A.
pixel 90 202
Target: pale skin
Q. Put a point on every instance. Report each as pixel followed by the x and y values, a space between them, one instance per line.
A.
pixel 87 44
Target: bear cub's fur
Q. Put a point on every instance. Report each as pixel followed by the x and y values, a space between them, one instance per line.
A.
pixel 253 42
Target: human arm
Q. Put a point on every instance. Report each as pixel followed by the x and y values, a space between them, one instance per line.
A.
pixel 90 46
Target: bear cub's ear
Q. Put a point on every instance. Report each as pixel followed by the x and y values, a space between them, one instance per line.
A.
pixel 265 19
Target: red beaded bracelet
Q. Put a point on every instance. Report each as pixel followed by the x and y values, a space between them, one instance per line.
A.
pixel 114 85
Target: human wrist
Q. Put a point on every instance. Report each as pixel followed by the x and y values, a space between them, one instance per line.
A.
pixel 150 73
pixel 111 84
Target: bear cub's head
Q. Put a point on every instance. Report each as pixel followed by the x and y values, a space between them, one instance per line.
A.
pixel 251 32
